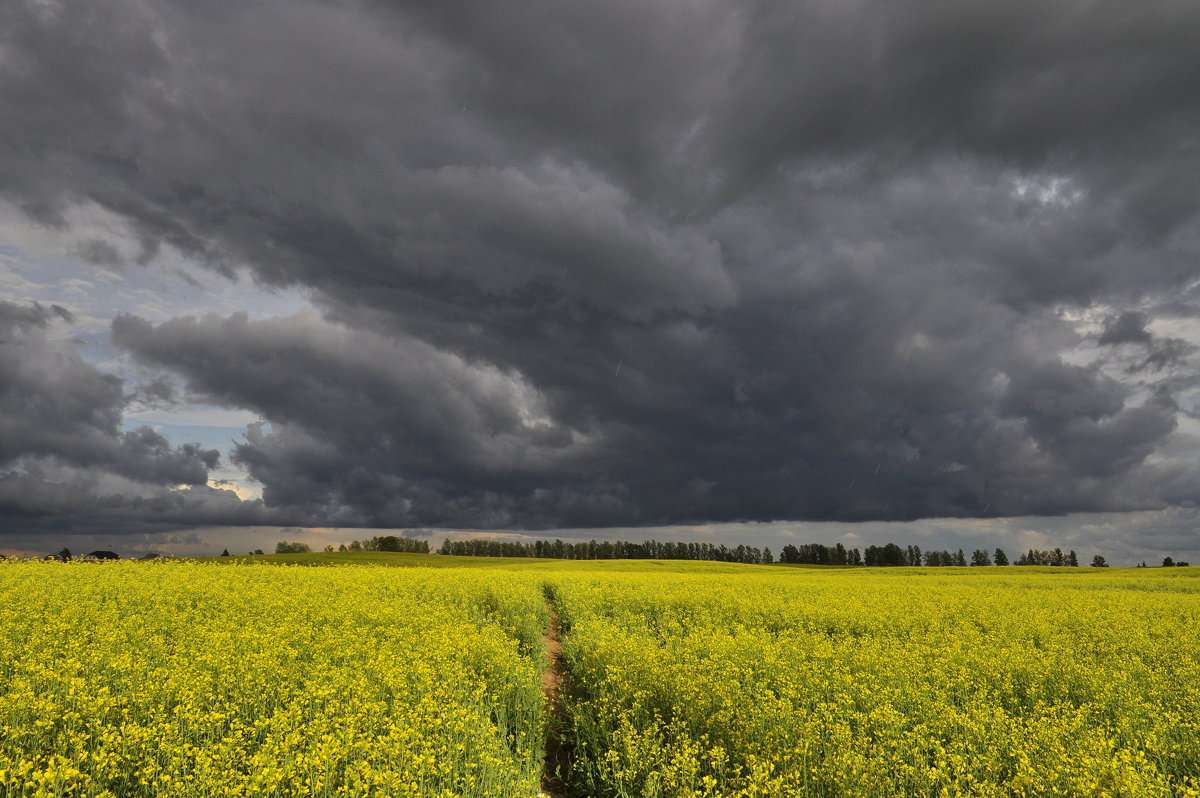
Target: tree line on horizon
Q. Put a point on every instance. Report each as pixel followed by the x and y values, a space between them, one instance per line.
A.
pixel 608 550
pixel 888 555
pixel 894 555
pixel 806 554
pixel 378 543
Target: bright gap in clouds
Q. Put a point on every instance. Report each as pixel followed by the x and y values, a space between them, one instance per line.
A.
pixel 213 428
pixel 100 270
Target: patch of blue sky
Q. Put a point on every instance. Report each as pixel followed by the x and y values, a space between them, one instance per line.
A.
pixel 221 438
pixel 212 427
pixel 215 427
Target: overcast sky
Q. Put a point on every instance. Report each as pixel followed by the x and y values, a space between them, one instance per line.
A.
pixel 553 264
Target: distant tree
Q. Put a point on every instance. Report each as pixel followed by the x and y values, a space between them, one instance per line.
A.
pixel 1043 557
pixel 65 554
pixel 891 554
pixel 767 557
pixel 342 547
pixel 1099 562
pixel 1000 557
pixel 258 551
pixel 225 553
pixel 355 546
pixel 329 548
pixel 945 558
pixel 397 543
pixel 1182 564
pixel 283 547
pixel 1052 557
pixel 980 557
pixel 1168 562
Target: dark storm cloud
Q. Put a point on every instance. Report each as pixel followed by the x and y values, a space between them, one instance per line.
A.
pixel 640 262
pixel 1081 419
pixel 62 448
pixel 1127 328
pixel 43 498
pixel 395 429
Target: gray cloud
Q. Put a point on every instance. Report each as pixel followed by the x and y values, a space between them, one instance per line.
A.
pixel 1127 328
pixel 644 262
pixel 368 428
pixel 99 252
pixel 362 423
pixel 61 435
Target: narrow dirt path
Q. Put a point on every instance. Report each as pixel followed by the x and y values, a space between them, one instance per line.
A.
pixel 556 682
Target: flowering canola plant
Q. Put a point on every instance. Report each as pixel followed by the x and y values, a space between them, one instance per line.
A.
pixel 885 682
pixel 698 679
pixel 136 679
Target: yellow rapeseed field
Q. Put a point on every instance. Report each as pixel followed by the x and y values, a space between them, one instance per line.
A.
pixel 138 679
pixel 885 682
pixel 175 679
